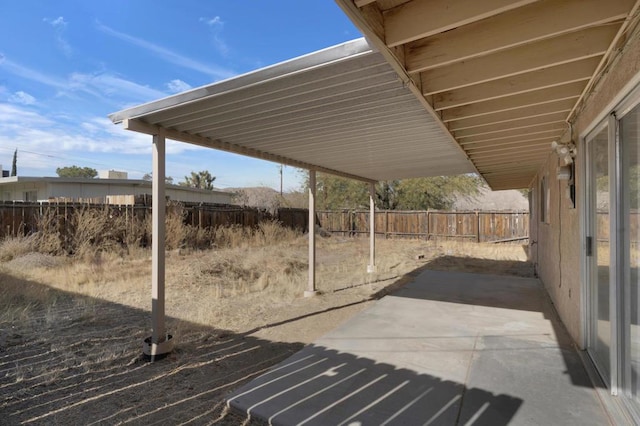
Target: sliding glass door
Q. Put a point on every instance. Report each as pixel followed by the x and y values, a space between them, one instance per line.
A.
pixel 629 252
pixel 599 279
pixel 612 213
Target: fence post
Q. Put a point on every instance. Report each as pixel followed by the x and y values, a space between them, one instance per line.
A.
pixel 386 224
pixel 428 223
pixel 477 226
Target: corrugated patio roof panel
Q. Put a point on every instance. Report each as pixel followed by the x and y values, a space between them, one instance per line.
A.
pixel 341 109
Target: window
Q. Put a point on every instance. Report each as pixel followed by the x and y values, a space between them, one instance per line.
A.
pixel 30 196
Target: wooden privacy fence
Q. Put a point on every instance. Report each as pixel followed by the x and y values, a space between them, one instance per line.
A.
pixel 479 226
pixel 18 218
pixel 22 218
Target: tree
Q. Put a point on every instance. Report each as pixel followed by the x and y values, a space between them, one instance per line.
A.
pixel 149 177
pixel 439 192
pixel 202 180
pixel 335 193
pixel 14 164
pixel 76 171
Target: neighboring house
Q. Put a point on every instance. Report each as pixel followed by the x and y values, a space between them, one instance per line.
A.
pixel 112 191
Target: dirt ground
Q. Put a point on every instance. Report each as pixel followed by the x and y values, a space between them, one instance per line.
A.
pixel 71 354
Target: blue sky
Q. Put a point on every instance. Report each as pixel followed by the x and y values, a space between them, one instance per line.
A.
pixel 65 65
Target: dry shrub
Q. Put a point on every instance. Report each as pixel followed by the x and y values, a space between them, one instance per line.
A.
pixel 14 247
pixel 87 231
pixel 96 230
pixel 176 230
pixel 49 238
pixel 231 236
pixel 272 232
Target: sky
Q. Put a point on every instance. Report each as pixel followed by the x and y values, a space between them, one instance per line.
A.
pixel 66 64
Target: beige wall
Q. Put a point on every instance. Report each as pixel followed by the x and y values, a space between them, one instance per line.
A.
pixel 558 246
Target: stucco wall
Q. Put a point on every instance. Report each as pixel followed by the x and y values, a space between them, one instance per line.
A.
pixel 558 246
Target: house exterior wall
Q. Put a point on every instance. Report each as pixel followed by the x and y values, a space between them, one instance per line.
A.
pixel 557 246
pixel 13 189
pixel 16 191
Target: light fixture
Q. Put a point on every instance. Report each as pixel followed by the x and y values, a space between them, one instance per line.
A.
pixel 566 151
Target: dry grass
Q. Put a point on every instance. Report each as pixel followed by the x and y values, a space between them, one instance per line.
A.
pixel 251 276
pixel 71 325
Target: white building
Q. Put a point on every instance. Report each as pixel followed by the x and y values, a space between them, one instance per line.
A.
pixel 112 191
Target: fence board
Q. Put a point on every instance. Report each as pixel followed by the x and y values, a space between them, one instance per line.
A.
pixel 19 218
pixel 460 225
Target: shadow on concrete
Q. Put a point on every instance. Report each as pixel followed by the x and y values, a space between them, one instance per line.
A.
pixel 497 284
pixel 445 347
pixel 320 386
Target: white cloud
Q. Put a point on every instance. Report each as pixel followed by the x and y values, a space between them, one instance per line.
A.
pixel 216 26
pixel 105 86
pixel 177 86
pixel 60 25
pixel 28 73
pixel 215 21
pixel 32 131
pixel 168 55
pixel 23 98
pixel 111 85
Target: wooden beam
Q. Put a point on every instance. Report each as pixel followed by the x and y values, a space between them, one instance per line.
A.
pixel 553 118
pixel 361 3
pixel 520 183
pixel 512 115
pixel 495 147
pixel 508 157
pixel 398 66
pixel 150 129
pixel 517 167
pixel 523 100
pixel 531 23
pixel 513 169
pixel 521 83
pixel 523 132
pixel 417 19
pixel 542 138
pixel 567 48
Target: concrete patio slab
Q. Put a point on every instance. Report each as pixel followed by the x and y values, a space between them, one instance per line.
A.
pixel 449 349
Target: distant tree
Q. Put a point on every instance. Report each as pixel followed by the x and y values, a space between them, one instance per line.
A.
pixel 201 179
pixel 76 171
pixel 439 192
pixel 334 193
pixel 387 194
pixel 14 163
pixel 149 177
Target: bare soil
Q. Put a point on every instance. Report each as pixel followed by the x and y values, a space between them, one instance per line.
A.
pixel 71 334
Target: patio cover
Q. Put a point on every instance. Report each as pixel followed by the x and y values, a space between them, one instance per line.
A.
pixel 342 110
pixel 505 76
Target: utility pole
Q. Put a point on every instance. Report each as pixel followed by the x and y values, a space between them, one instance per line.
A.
pixel 281 166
